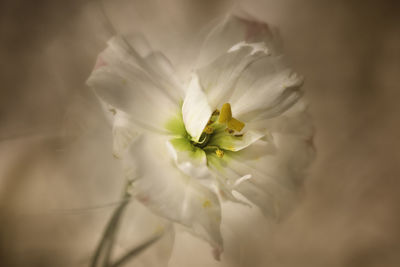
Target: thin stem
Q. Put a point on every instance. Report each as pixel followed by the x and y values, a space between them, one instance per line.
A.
pixel 104 249
pixel 135 251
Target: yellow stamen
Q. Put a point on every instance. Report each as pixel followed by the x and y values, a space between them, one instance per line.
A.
pixel 208 130
pixel 226 117
pixel 219 153
pixel 226 113
pixel 235 124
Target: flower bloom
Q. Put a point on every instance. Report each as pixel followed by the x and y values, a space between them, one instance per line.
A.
pixel 234 130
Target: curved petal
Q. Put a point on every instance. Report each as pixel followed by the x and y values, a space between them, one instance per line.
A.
pixel 267 88
pixel 250 74
pixel 159 66
pixel 136 49
pixel 220 77
pixel 190 160
pixel 159 185
pixel 295 121
pixel 226 141
pixel 234 29
pixel 195 110
pixel 276 168
pixel 122 83
pixel 124 132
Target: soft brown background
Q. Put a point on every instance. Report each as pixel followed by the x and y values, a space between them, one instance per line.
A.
pixel 349 52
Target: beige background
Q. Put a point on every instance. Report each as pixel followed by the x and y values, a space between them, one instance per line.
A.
pixel 347 50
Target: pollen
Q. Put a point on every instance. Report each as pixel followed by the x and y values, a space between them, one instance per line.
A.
pixel 207 204
pixel 208 129
pixel 219 152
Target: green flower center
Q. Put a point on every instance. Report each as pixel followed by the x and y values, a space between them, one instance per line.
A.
pixel 218 136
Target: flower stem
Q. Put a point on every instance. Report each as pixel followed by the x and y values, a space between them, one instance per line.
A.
pixel 103 251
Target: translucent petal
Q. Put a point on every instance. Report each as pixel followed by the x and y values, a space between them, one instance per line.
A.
pixel 276 168
pixel 250 74
pixel 123 83
pixel 124 132
pixel 227 141
pixel 190 160
pixel 265 89
pixel 235 29
pixel 195 110
pixel 220 77
pixel 167 191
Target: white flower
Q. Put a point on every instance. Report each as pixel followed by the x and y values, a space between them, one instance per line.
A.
pixel 235 131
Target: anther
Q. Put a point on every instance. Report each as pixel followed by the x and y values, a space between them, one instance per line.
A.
pixel 208 130
pixel 219 153
pixel 229 131
pixel 235 124
pixel 215 113
pixel 226 113
pixel 226 117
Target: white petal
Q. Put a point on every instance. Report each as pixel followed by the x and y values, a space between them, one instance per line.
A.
pixel 233 30
pixel 136 50
pixel 121 82
pixel 193 163
pixel 249 74
pixel 265 89
pixel 275 172
pixel 124 132
pixel 162 187
pixel 136 41
pixel 229 142
pixel 295 121
pixel 162 68
pixel 256 47
pixel 195 110
pixel 247 139
pixel 220 77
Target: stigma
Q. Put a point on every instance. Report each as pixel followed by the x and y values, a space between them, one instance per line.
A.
pixel 225 116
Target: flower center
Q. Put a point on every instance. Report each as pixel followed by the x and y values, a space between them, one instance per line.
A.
pixel 217 140
pixel 220 120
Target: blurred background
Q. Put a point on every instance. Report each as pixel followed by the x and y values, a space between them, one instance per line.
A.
pixel 58 179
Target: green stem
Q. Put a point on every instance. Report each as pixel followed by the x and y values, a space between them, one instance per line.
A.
pixel 103 251
pixel 133 252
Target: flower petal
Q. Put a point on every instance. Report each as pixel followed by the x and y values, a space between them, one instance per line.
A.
pixel 162 68
pixel 262 188
pixel 277 167
pixel 195 110
pixel 294 121
pixel 265 89
pixel 226 141
pixel 124 132
pixel 232 30
pixel 250 74
pixel 159 185
pixel 190 160
pixel 220 77
pixel 122 83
